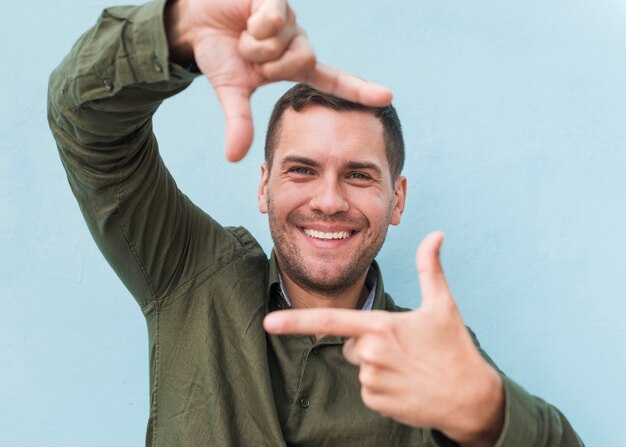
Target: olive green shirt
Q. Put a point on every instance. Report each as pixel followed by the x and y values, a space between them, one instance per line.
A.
pixel 216 377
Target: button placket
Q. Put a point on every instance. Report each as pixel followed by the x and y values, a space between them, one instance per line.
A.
pixel 306 385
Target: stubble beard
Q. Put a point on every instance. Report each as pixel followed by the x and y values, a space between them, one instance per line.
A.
pixel 328 280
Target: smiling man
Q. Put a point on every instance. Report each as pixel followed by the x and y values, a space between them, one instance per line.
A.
pixel 340 364
pixel 330 193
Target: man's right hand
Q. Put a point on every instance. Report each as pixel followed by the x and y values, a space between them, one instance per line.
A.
pixel 240 45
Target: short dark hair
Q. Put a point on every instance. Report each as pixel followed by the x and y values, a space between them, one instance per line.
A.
pixel 303 95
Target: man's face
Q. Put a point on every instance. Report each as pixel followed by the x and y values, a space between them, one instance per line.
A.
pixel 330 196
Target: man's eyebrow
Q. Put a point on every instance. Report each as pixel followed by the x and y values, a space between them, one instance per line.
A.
pixel 364 165
pixel 352 165
pixel 299 159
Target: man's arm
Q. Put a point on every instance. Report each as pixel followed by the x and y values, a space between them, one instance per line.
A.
pixel 100 106
pixel 424 369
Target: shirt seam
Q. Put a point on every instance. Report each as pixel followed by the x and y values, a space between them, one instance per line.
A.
pixel 156 375
pixel 171 297
pixel 130 245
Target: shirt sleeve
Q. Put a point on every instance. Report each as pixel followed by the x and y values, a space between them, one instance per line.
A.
pixel 528 420
pixel 100 105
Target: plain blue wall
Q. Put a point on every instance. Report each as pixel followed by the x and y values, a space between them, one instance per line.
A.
pixel 515 121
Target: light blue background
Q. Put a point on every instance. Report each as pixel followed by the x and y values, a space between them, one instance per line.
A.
pixel 515 121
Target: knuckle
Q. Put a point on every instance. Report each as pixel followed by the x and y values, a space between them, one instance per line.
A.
pixel 276 22
pixel 365 375
pixel 383 325
pixel 245 44
pixel 371 399
pixel 347 351
pixel 291 16
pixel 368 398
pixel 380 328
pixel 451 307
pixel 368 375
pixel 272 49
pixel 446 309
pixel 308 60
pixel 272 73
pixel 264 24
pixel 375 352
pixel 425 268
pixel 372 352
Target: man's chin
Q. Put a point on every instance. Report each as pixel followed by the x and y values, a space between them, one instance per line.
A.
pixel 325 281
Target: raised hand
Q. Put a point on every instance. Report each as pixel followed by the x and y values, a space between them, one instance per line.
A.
pixel 241 45
pixel 420 367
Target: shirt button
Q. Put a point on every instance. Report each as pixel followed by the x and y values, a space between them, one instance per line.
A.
pixel 316 350
pixel 157 65
pixel 304 402
pixel 108 84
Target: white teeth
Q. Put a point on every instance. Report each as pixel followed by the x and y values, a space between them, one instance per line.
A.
pixel 322 235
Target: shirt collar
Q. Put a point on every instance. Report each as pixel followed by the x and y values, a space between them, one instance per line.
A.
pixel 278 299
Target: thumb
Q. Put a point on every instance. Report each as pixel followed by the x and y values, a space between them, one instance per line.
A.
pixel 432 279
pixel 235 103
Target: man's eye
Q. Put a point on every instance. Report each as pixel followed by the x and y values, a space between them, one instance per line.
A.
pixel 300 170
pixel 359 176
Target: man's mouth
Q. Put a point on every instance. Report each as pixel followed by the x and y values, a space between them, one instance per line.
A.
pixel 328 236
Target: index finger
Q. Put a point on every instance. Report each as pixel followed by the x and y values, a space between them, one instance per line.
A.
pixel 299 64
pixel 337 322
pixel 341 83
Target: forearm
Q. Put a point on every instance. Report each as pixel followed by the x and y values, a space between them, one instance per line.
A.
pixel 101 101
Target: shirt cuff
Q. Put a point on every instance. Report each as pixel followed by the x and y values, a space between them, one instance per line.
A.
pixel 521 418
pixel 149 48
pixel 520 428
pixel 137 55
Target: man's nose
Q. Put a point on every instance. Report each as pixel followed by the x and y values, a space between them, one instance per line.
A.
pixel 329 198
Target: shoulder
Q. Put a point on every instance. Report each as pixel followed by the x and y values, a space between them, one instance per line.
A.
pixel 390 305
pixel 243 238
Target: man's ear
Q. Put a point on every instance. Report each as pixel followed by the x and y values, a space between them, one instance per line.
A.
pixel 399 198
pixel 262 192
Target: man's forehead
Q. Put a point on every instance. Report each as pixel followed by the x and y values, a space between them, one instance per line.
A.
pixel 320 126
pixel 313 111
pixel 321 135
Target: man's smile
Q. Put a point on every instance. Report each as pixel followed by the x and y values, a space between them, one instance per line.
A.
pixel 328 235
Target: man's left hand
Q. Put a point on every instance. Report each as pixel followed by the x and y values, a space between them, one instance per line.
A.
pixel 421 367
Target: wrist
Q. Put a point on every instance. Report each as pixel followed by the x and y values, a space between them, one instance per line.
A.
pixel 484 415
pixel 178 32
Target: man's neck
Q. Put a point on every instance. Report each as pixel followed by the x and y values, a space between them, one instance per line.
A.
pixel 351 298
